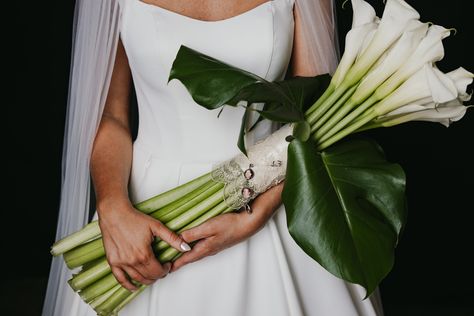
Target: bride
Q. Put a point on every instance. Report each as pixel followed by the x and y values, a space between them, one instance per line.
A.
pixel 240 264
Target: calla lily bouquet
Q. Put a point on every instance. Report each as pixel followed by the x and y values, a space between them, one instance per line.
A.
pixel 345 204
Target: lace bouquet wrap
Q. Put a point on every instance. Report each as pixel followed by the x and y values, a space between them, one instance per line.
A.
pixel 246 176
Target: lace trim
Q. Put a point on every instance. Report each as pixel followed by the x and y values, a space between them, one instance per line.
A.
pixel 245 177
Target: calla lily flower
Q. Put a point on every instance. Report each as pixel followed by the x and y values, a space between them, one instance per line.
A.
pixel 430 50
pixel 444 113
pixel 428 82
pixel 391 61
pixel 462 78
pixel 363 24
pixel 395 19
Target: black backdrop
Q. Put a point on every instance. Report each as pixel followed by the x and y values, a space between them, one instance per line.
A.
pixel 432 273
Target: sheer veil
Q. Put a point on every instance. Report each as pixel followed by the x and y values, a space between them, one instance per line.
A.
pixel 95 33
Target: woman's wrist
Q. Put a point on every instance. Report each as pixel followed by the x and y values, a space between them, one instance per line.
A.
pixel 263 207
pixel 113 204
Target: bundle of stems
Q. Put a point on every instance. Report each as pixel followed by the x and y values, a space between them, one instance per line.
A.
pixel 181 208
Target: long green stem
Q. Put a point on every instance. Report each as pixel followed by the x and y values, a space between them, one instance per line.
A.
pixel 319 123
pixel 340 120
pixel 91 275
pixel 95 249
pixel 161 213
pixel 370 115
pixel 107 307
pixel 127 300
pixel 206 191
pixel 321 99
pixel 102 298
pixel 92 230
pixel 197 210
pixel 98 288
pixel 89 232
pixel 165 198
pixel 313 116
pixel 84 253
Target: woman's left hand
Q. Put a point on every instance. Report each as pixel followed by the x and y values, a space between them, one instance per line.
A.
pixel 226 230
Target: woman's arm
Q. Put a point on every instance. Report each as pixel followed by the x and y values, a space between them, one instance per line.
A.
pixel 127 233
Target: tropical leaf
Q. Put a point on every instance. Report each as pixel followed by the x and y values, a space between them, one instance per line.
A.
pixel 345 208
pixel 210 82
pixel 213 84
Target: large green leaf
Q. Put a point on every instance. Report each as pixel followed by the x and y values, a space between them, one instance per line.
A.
pixel 213 83
pixel 345 208
pixel 210 82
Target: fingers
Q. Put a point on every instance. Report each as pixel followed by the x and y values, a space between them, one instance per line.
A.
pixel 137 276
pixel 173 239
pixel 199 251
pixel 153 270
pixel 145 269
pixel 199 232
pixel 122 278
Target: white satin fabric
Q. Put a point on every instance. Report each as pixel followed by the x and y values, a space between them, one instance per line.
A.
pixel 178 140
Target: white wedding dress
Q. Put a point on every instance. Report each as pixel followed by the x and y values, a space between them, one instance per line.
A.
pixel 267 275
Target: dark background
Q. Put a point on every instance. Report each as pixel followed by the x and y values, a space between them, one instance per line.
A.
pixel 432 273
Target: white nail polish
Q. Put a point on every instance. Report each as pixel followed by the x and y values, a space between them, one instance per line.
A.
pixel 184 246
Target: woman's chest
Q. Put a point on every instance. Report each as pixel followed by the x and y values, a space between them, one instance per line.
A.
pixel 258 40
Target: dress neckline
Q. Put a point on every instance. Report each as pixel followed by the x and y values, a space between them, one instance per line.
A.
pixel 173 13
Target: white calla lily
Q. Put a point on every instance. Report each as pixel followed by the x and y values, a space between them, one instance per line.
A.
pixel 422 104
pixel 444 113
pixel 391 61
pixel 462 78
pixel 395 19
pixel 425 83
pixel 430 50
pixel 364 23
pixel 388 63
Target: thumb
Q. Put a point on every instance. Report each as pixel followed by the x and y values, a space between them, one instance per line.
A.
pixel 170 237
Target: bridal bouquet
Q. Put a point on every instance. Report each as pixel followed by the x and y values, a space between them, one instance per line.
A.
pixel 345 204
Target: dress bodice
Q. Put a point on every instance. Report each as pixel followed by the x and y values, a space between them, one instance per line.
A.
pixel 171 124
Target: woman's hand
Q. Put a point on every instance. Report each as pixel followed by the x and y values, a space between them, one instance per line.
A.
pixel 127 235
pixel 226 230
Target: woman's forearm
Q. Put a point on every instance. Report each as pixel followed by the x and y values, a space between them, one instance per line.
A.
pixel 112 153
pixel 111 162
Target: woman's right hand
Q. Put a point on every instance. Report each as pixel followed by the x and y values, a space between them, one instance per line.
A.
pixel 127 235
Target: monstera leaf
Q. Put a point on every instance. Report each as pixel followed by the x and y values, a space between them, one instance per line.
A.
pixel 345 208
pixel 213 84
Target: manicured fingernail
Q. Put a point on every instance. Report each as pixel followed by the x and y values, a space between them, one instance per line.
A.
pixel 184 246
